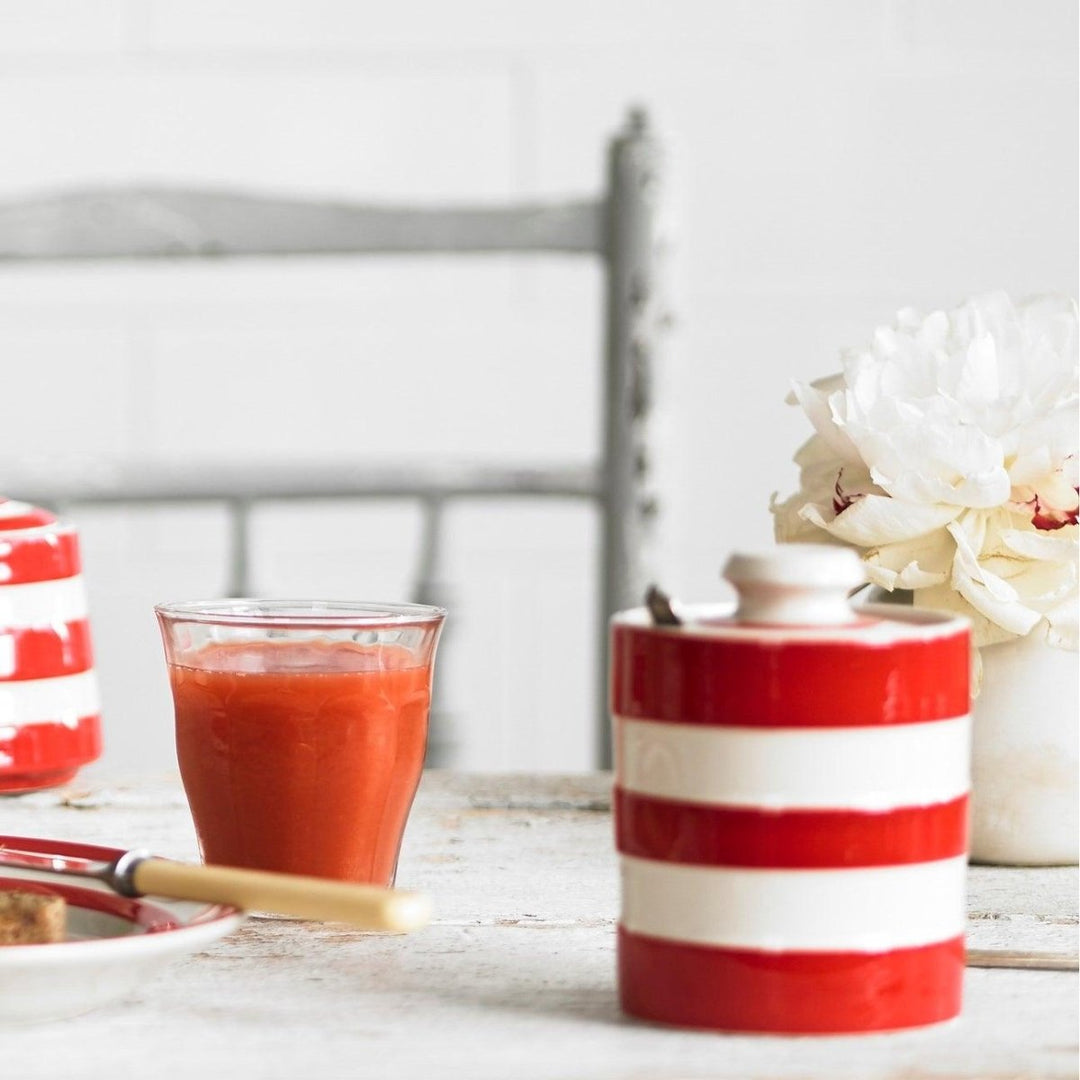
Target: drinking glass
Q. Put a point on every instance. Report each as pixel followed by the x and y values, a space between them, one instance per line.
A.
pixel 301 728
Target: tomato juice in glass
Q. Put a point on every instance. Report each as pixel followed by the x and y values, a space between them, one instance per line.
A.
pixel 301 729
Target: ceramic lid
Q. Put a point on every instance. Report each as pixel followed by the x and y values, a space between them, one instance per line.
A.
pixel 796 585
pixel 800 592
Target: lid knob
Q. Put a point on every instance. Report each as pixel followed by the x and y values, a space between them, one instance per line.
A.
pixel 796 584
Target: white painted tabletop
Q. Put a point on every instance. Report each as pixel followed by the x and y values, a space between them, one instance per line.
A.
pixel 515 978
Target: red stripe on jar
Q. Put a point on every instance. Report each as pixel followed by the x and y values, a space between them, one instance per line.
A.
pixel 689 679
pixel 40 557
pixel 16 515
pixel 787 992
pixel 45 754
pixel 45 652
pixel 681 832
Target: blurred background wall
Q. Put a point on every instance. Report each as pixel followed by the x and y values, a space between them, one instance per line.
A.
pixel 829 162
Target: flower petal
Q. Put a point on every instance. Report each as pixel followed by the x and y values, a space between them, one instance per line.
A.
pixel 791 525
pixel 969 534
pixel 947 451
pixel 916 564
pixel 911 576
pixel 1064 625
pixel 987 592
pixel 984 631
pixel 922 462
pixel 876 520
pixel 1009 614
pixel 821 403
pixel 1063 543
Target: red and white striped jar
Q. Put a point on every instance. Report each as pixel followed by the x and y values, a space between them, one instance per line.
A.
pixel 791 797
pixel 49 710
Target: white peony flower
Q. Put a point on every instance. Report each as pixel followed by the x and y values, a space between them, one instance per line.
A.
pixel 947 451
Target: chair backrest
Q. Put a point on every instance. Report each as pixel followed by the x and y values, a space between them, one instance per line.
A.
pixel 618 228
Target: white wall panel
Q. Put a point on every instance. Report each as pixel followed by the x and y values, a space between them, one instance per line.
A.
pixel 526 27
pixel 832 160
pixel 405 378
pixel 64 387
pixel 64 27
pixel 1039 33
pixel 340 130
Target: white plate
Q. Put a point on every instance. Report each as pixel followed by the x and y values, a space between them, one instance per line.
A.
pixel 114 943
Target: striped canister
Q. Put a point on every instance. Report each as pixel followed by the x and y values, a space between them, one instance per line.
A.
pixel 49 713
pixel 791 794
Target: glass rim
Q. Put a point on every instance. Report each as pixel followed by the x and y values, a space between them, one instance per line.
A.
pixel 256 612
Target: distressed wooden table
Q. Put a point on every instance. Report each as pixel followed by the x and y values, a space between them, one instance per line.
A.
pixel 516 976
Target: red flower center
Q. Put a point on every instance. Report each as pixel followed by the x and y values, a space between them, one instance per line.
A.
pixel 1049 517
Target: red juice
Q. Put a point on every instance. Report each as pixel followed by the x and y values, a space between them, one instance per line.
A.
pixel 302 757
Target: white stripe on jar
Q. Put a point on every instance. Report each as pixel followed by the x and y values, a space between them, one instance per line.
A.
pixel 862 910
pixel 63 700
pixel 41 603
pixel 12 508
pixel 863 768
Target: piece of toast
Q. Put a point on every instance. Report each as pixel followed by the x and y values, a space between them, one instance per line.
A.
pixel 31 918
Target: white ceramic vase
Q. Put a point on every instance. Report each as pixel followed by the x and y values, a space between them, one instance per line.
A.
pixel 1025 803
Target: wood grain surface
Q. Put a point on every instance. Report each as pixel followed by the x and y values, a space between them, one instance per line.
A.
pixel 515 978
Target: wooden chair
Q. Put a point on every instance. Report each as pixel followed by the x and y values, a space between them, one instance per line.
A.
pixel 617 228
